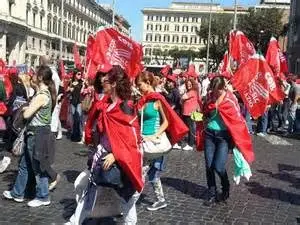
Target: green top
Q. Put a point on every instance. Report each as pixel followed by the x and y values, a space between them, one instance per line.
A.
pixel 216 123
pixel 43 116
pixel 151 119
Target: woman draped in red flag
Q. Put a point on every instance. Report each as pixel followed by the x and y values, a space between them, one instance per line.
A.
pixel 225 127
pixel 158 117
pixel 119 139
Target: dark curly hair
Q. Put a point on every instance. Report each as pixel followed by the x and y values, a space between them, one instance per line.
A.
pixel 123 86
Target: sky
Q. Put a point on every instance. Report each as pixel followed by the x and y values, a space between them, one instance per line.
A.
pixel 131 10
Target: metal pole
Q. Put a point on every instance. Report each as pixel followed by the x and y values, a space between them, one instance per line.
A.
pixel 235 15
pixel 113 13
pixel 61 29
pixel 209 36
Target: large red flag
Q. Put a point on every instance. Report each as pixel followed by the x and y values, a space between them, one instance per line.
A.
pixel 224 65
pixel 240 48
pixel 257 85
pixel 113 48
pixel 276 59
pixel 89 48
pixel 76 57
pixel 166 70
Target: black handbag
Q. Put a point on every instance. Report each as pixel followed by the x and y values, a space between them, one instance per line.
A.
pixel 110 178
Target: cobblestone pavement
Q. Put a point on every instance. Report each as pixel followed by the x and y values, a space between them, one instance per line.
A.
pixel 271 197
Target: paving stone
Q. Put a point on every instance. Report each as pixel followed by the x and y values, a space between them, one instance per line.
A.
pixel 270 197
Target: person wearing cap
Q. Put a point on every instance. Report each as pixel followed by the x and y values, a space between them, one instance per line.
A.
pixel 173 98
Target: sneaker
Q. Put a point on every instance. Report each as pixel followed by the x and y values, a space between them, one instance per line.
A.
pixel 38 202
pixel 176 146
pixel 4 163
pixel 187 148
pixel 7 195
pixel 211 200
pixel 59 136
pixel 157 205
pixel 54 183
pixel 261 134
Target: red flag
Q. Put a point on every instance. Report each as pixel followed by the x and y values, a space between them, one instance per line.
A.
pixel 111 47
pixel 191 72
pixel 257 85
pixel 224 65
pixel 241 49
pixel 62 70
pixel 2 66
pixel 76 57
pixel 89 48
pixel 276 59
pixel 166 70
pixel 91 70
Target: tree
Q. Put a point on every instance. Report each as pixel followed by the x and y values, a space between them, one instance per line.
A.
pixel 260 25
pixel 220 26
pixel 175 53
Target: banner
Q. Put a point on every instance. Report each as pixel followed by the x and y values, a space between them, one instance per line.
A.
pixel 166 70
pixel 276 59
pixel 113 48
pixel 240 47
pixel 76 57
pixel 224 65
pixel 257 85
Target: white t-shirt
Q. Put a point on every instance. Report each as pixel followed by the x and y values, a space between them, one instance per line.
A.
pixel 55 78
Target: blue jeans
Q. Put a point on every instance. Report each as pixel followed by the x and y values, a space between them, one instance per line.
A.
pixel 29 165
pixel 216 146
pixel 262 124
pixel 78 109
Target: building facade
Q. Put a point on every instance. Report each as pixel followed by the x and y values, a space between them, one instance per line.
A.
pixel 175 27
pixel 31 28
pixel 294 38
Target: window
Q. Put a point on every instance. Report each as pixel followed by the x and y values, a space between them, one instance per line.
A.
pixel 185 29
pixel 167 38
pixel 175 39
pixel 157 38
pixel 177 28
pixel 168 18
pixel 194 19
pixel 158 27
pixel 49 24
pixel 148 37
pixel 193 40
pixel 9 7
pixel 49 6
pixel 34 19
pixel 41 22
pixel 27 16
pixel 184 39
pixel 149 27
pixel 185 19
pixel 176 19
pixel 40 45
pixel 42 2
pixel 166 27
pixel 147 51
pixel 33 43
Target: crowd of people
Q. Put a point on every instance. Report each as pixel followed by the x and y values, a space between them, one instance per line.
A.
pixel 113 114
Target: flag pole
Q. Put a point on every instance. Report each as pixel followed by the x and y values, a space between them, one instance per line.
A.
pixel 113 12
pixel 235 15
pixel 209 36
pixel 61 29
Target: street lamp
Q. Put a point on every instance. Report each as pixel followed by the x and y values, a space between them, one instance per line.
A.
pixel 235 15
pixel 113 12
pixel 209 35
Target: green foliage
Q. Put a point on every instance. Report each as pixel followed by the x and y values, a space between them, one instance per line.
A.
pixel 175 53
pixel 260 25
pixel 221 24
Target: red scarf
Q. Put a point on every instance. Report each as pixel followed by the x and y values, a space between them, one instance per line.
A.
pixel 235 123
pixel 176 129
pixel 123 132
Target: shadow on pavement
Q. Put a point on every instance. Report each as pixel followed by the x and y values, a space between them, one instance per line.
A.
pixel 186 187
pixel 283 176
pixel 286 167
pixel 273 193
pixel 69 206
pixel 100 221
pixel 71 175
